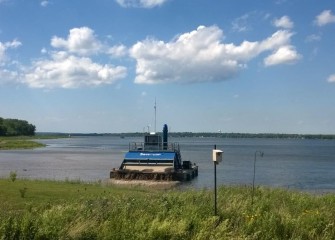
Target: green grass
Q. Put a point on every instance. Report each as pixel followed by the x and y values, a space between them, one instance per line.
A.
pixel 40 192
pixel 7 143
pixel 74 210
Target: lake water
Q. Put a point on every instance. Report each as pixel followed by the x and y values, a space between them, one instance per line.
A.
pixel 301 164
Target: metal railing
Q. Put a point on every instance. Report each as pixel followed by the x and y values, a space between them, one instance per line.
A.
pixel 154 146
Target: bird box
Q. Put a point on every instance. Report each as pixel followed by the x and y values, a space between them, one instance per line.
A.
pixel 217 155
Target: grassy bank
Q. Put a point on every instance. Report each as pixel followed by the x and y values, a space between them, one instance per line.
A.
pixel 72 210
pixel 7 143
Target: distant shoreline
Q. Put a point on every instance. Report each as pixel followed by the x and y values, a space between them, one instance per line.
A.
pixel 199 135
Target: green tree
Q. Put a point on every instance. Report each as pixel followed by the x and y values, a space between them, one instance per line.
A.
pixel 2 128
pixel 16 127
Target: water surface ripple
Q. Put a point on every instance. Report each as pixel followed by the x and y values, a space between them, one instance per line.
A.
pixel 289 163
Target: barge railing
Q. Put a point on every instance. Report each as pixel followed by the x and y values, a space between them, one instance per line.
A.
pixel 154 146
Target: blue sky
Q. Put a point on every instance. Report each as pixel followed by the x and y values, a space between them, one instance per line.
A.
pixel 235 66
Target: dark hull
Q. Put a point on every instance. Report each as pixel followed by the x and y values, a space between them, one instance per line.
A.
pixel 179 175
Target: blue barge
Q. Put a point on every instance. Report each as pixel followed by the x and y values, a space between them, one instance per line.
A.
pixel 155 159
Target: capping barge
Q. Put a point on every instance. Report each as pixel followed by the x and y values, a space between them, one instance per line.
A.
pixel 155 159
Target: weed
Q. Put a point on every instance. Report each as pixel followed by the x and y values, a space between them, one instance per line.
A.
pixel 23 192
pixel 12 176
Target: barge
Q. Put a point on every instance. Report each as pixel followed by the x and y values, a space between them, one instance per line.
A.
pixel 155 159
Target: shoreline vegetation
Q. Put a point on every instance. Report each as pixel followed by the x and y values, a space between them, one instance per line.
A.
pixel 199 135
pixel 27 142
pixel 24 142
pixel 43 209
pixel 11 143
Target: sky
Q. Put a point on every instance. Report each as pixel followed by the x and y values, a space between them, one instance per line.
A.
pixel 210 65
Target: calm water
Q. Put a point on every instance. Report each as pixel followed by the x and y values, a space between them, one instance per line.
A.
pixel 299 164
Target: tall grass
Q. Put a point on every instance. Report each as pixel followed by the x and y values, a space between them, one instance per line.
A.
pixel 60 210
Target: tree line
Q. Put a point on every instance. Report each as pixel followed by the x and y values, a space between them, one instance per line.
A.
pixel 214 135
pixel 253 135
pixel 16 127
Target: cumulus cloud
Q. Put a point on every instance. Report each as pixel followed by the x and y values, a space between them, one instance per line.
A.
pixel 70 66
pixel 283 22
pixel 5 46
pixel 69 71
pixel 201 56
pixel 325 18
pixel 331 78
pixel 141 3
pixel 80 41
pixel 285 54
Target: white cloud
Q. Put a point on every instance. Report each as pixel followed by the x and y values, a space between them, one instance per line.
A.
pixel 141 3
pixel 240 24
pixel 69 71
pixel 283 22
pixel 285 54
pixel 200 56
pixel 325 18
pixel 331 78
pixel 118 51
pixel 71 67
pixel 80 41
pixel 8 76
pixel 245 22
pixel 5 46
pixel 13 44
pixel 279 38
pixel 2 53
pixel 44 51
pixel 45 3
